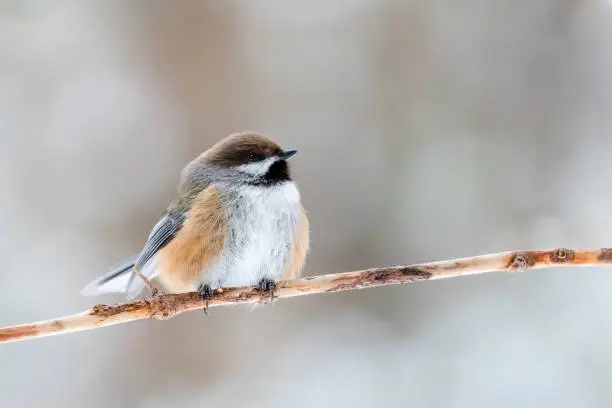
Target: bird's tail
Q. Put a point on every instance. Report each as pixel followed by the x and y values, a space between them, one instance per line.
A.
pixel 120 279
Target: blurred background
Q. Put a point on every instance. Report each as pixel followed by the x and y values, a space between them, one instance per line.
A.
pixel 427 130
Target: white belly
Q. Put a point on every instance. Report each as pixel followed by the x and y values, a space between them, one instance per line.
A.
pixel 263 230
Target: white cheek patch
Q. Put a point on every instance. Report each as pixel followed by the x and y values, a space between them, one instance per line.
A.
pixel 258 168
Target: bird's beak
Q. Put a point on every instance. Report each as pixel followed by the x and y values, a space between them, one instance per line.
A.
pixel 287 154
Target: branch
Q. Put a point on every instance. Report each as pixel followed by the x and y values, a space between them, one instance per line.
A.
pixel 164 307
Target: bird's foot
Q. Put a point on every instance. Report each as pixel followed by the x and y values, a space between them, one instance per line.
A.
pixel 267 285
pixel 207 293
pixel 155 292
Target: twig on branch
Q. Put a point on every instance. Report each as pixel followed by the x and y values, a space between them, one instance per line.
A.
pixel 164 307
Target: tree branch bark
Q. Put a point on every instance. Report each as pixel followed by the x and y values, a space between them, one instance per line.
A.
pixel 164 307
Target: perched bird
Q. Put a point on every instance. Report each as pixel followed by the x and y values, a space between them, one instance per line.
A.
pixel 237 221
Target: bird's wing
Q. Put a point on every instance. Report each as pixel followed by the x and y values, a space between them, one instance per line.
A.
pixel 121 279
pixel 162 233
pixel 166 228
pixel 197 245
pixel 301 245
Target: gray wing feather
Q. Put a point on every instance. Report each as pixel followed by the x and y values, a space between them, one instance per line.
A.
pixel 162 233
pixel 193 182
pixel 169 224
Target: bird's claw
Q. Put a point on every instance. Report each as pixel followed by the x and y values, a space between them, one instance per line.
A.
pixel 267 285
pixel 157 293
pixel 207 293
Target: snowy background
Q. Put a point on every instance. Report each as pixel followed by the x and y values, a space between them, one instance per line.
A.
pixel 427 130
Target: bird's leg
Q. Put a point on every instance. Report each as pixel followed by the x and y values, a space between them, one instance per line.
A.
pixel 267 285
pixel 154 291
pixel 207 293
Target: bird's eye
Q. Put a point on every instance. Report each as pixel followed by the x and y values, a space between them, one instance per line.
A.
pixel 253 157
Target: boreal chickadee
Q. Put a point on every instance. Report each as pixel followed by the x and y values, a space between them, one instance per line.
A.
pixel 237 221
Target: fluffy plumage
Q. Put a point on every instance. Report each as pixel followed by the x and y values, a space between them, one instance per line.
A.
pixel 238 219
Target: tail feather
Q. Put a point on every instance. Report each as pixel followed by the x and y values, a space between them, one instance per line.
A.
pixel 121 279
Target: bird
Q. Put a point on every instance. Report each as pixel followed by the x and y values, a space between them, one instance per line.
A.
pixel 238 220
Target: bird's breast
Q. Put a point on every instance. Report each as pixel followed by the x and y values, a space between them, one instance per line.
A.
pixel 263 230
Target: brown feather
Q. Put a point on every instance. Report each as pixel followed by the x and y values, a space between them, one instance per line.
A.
pixel 234 150
pixel 197 245
pixel 295 265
